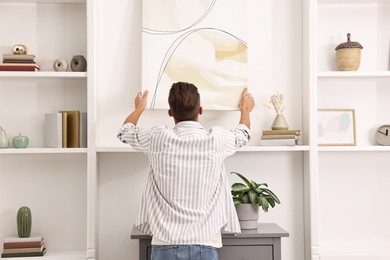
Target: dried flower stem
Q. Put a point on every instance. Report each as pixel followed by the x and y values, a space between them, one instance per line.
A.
pixel 277 101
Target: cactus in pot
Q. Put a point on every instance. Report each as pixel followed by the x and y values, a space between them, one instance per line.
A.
pixel 24 221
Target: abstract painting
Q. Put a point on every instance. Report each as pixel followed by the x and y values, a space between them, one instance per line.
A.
pixel 197 41
pixel 336 127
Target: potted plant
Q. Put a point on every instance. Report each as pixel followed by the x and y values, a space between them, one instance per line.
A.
pixel 248 196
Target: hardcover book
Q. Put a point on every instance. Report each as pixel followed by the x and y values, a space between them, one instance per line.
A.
pixel 30 254
pixel 11 245
pixel 72 128
pixel 53 130
pixel 23 239
pixel 19 67
pixel 23 250
pixel 276 142
pixel 281 132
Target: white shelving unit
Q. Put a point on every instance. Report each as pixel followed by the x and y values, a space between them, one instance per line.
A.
pixel 58 184
pixel 337 172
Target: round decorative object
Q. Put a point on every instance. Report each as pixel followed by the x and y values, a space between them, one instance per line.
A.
pixel 348 55
pixel 78 63
pixel 382 135
pixel 19 49
pixel 60 65
pixel 20 141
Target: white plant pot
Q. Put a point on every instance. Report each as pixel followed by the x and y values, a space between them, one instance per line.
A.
pixel 247 215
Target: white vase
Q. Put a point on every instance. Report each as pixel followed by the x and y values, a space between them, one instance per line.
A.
pixel 279 123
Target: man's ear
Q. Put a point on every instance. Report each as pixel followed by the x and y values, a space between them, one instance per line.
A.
pixel 200 110
pixel 170 113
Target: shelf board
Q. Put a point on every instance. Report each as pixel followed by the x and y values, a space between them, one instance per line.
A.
pixel 354 2
pixel 44 1
pixel 353 74
pixel 58 255
pixel 368 148
pixel 42 150
pixel 297 148
pixel 41 75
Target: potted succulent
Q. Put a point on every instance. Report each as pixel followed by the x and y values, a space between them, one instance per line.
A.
pixel 248 196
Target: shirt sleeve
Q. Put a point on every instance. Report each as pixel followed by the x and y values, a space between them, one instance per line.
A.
pixel 240 137
pixel 136 137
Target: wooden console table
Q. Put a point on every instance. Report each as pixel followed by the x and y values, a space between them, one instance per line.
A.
pixel 262 243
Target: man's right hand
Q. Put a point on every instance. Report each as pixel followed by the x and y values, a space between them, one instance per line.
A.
pixel 247 102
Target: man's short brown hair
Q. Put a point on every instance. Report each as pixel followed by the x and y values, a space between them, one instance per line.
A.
pixel 184 101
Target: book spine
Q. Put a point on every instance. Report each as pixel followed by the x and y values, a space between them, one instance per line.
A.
pixel 3 255
pixel 23 250
pixel 22 245
pixel 281 132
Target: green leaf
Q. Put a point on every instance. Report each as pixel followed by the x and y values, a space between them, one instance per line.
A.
pixel 271 201
pixel 245 199
pixel 264 204
pixel 259 191
pixel 236 201
pixel 239 187
pixel 247 182
pixel 272 195
pixel 262 184
pixel 252 197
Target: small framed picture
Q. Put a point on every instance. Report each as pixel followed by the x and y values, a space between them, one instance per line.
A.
pixel 336 127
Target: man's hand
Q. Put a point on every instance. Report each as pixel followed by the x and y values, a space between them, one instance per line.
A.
pixel 247 104
pixel 140 103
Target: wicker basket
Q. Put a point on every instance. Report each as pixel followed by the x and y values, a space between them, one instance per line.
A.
pixel 348 55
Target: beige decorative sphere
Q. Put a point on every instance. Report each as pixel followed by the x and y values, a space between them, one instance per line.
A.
pixel 19 49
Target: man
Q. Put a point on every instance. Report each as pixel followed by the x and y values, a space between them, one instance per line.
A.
pixel 187 199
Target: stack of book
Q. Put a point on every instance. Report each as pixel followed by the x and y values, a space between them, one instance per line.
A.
pixel 21 62
pixel 23 247
pixel 280 137
pixel 66 129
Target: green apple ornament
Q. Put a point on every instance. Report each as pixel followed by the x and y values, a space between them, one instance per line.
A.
pixel 20 141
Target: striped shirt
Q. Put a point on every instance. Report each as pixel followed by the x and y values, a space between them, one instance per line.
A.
pixel 187 197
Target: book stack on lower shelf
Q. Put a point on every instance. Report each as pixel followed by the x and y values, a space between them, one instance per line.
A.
pixel 280 137
pixel 21 62
pixel 23 247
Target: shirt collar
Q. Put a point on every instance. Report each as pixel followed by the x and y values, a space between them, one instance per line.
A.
pixel 188 124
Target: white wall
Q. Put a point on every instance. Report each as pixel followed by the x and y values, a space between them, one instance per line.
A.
pixel 275 66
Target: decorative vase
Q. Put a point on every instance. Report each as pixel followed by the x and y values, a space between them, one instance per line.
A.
pixel 24 221
pixel 247 215
pixel 78 63
pixel 3 138
pixel 60 65
pixel 279 123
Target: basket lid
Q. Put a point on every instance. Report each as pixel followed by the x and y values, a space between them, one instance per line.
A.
pixel 349 44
